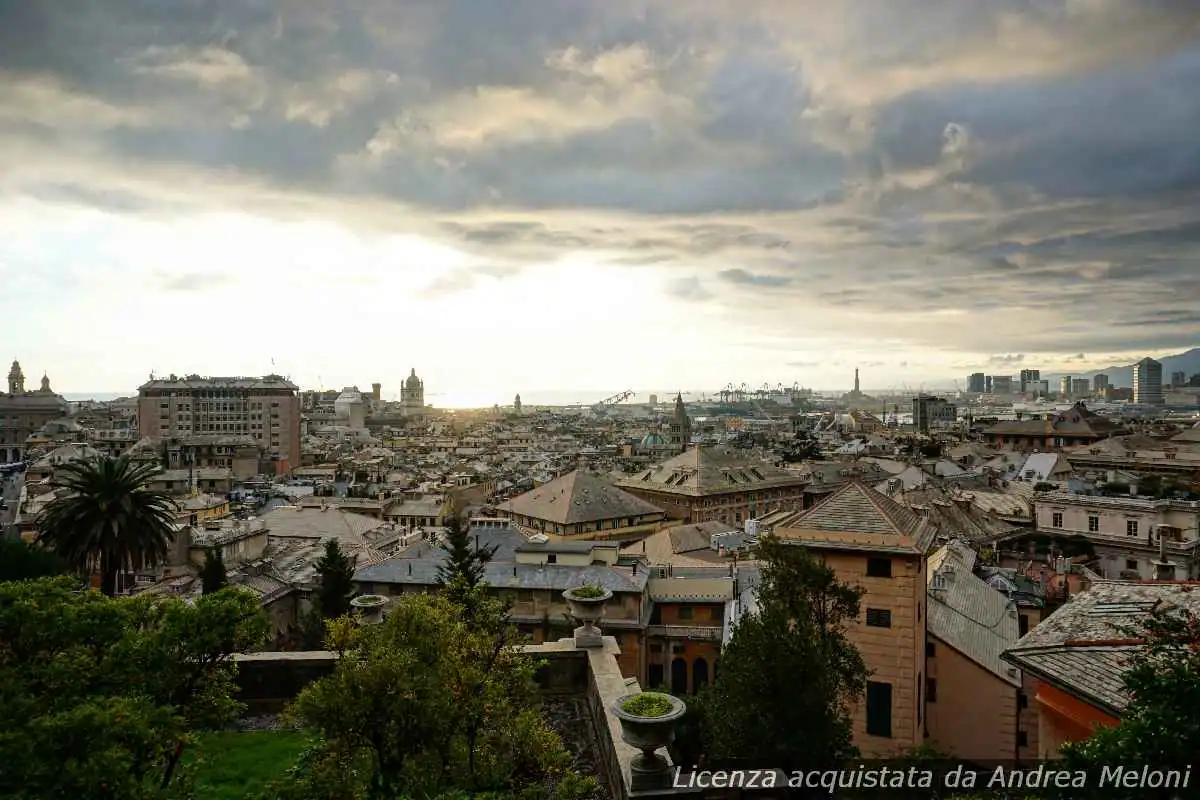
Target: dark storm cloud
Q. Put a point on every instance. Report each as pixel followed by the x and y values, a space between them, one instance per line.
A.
pixel 1030 167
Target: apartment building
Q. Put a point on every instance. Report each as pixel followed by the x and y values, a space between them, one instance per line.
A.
pixel 1134 538
pixel 870 540
pixel 265 409
pixel 1075 426
pixel 1148 382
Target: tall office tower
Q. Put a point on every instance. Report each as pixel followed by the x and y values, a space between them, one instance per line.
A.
pixel 265 409
pixel 987 384
pixel 1147 382
pixel 1028 377
pixel 1001 384
pixel 1179 379
pixel 1080 387
pixel 1100 383
pixel 1064 386
pixel 976 383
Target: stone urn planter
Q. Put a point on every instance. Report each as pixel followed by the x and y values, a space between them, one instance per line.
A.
pixel 648 723
pixel 587 606
pixel 370 608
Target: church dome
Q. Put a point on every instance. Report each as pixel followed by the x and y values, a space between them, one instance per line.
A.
pixel 653 440
pixel 413 381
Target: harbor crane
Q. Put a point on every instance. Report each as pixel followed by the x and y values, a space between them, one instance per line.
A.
pixel 620 397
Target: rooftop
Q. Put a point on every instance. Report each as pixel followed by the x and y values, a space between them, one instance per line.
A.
pixel 578 497
pixel 199 382
pixel 705 471
pixel 1085 646
pixel 856 517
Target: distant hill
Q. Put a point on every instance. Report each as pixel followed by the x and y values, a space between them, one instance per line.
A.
pixel 1187 362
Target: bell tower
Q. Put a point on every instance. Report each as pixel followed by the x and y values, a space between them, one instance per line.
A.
pixel 16 379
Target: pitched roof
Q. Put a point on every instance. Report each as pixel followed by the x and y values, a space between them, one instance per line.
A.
pixel 857 517
pixel 705 471
pixel 969 615
pixel 577 497
pixel 1085 646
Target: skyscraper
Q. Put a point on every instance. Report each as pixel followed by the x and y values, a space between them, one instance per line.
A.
pixel 1028 377
pixel 975 383
pixel 1179 379
pixel 1147 382
pixel 1100 383
pixel 1064 386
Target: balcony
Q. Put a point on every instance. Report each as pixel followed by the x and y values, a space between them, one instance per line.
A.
pixel 703 633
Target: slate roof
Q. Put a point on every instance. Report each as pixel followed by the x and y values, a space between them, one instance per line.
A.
pixel 418 565
pixel 856 517
pixel 1085 646
pixel 578 497
pixel 703 471
pixel 1076 421
pixel 969 615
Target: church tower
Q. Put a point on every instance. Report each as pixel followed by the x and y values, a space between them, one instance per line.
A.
pixel 517 405
pixel 16 379
pixel 856 386
pixel 680 437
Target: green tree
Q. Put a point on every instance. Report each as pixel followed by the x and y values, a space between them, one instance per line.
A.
pixel 424 703
pixel 20 561
pixel 336 575
pixel 789 677
pixel 213 576
pixel 465 564
pixel 98 695
pixel 1161 723
pixel 108 519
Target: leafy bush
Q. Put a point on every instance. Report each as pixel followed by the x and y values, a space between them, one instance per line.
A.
pixel 648 704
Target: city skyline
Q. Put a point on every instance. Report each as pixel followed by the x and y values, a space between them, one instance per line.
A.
pixel 605 195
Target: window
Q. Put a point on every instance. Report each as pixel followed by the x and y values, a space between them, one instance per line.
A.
pixel 879 568
pixel 1022 701
pixel 685 612
pixel 879 618
pixel 931 690
pixel 920 701
pixel 930 650
pixel 551 558
pixel 1056 519
pixel 1131 563
pixel 1131 527
pixel 1022 739
pixel 879 709
pixel 1093 524
pixel 1023 624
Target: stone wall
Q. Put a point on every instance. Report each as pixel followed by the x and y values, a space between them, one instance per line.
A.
pixel 580 686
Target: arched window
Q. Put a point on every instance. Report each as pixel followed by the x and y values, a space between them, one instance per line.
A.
pixel 679 676
pixel 699 674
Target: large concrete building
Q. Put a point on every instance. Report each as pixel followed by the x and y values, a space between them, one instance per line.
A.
pixel 265 409
pixel 1147 382
pixel 23 413
pixel 582 506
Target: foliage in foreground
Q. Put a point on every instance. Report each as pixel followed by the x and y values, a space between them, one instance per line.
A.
pixel 789 676
pixel 98 695
pixel 24 561
pixel 233 765
pixel 108 519
pixel 427 703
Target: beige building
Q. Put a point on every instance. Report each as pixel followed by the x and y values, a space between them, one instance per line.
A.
pixel 1133 537
pixel 870 540
pixel 708 484
pixel 267 410
pixel 22 413
pixel 579 505
pixel 973 699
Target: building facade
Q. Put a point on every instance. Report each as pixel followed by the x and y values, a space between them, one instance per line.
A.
pixel 932 412
pixel 1100 383
pixel 1147 382
pixel 976 383
pixel 22 413
pixel 267 410
pixel 871 541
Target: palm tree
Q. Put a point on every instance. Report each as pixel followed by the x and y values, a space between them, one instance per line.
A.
pixel 108 519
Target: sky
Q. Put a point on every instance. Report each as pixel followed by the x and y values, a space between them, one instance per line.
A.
pixel 596 194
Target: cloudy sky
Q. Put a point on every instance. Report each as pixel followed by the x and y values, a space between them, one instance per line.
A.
pixel 599 194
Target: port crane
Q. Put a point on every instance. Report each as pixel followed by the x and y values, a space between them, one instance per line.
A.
pixel 620 397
